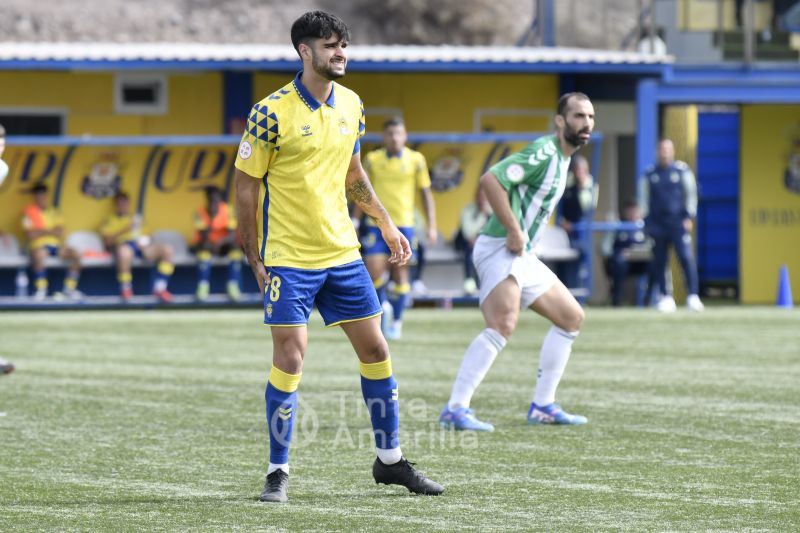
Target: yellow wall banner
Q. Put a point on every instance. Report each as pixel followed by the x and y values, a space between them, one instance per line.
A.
pixel 165 182
pixel 770 200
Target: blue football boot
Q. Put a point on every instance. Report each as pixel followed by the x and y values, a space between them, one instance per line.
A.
pixel 553 414
pixel 462 419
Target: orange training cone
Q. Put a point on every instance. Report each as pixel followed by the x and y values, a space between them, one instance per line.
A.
pixel 784 298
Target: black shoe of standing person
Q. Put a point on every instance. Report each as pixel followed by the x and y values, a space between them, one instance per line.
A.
pixel 275 488
pixel 6 367
pixel 403 473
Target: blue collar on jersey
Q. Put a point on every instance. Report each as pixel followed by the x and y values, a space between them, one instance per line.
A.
pixel 398 155
pixel 306 97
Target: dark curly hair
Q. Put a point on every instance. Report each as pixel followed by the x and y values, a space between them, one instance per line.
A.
pixel 318 25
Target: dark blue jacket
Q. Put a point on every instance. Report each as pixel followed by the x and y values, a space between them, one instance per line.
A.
pixel 668 195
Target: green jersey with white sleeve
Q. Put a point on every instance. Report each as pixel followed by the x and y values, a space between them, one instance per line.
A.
pixel 534 178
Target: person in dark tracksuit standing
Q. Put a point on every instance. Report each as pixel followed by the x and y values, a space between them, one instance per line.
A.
pixel 668 197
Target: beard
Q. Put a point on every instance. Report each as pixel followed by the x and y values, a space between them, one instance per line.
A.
pixel 573 137
pixel 325 70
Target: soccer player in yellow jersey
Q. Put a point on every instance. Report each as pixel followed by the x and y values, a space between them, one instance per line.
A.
pixel 44 229
pixel 299 161
pixel 124 236
pixel 397 173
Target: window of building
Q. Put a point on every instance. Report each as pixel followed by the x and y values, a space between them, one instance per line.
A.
pixel 140 94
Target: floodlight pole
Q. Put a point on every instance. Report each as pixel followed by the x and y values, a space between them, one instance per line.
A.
pixel 547 24
pixel 721 27
pixel 639 25
pixel 749 35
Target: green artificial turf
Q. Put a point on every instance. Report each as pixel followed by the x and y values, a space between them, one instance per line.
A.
pixel 154 421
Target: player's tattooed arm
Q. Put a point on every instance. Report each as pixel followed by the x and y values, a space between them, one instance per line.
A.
pixel 360 191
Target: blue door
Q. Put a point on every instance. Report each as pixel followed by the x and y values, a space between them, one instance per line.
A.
pixel 718 210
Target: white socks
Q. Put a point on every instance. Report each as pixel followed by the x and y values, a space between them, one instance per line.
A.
pixel 556 348
pixel 480 355
pixel 390 456
pixel 273 467
pixel 483 350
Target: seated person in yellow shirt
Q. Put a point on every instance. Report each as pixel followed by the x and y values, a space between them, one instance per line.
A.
pixel 124 237
pixel 44 230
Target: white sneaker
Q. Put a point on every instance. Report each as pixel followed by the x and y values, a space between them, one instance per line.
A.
pixel 74 294
pixel 694 304
pixel 395 331
pixel 470 287
pixel 40 295
pixel 666 304
pixel 418 288
pixel 387 318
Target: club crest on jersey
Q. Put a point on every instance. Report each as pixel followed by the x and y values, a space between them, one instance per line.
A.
pixel 305 131
pixel 515 173
pixel 245 150
pixel 674 177
pixel 343 129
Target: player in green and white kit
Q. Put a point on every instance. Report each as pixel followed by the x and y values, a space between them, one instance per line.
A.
pixel 523 190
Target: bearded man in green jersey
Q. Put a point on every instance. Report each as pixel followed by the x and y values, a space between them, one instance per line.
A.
pixel 523 190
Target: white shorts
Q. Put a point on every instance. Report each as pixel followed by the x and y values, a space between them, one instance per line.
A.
pixel 494 263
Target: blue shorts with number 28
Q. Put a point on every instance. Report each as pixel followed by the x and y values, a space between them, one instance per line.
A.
pixel 342 294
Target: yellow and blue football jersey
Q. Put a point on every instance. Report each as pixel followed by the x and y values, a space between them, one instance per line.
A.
pixel 301 149
pixel 396 180
pixel 35 218
pixel 121 223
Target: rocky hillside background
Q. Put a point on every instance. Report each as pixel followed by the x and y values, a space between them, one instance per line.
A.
pixel 580 23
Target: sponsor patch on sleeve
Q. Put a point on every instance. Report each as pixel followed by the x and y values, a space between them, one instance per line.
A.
pixel 515 173
pixel 245 150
